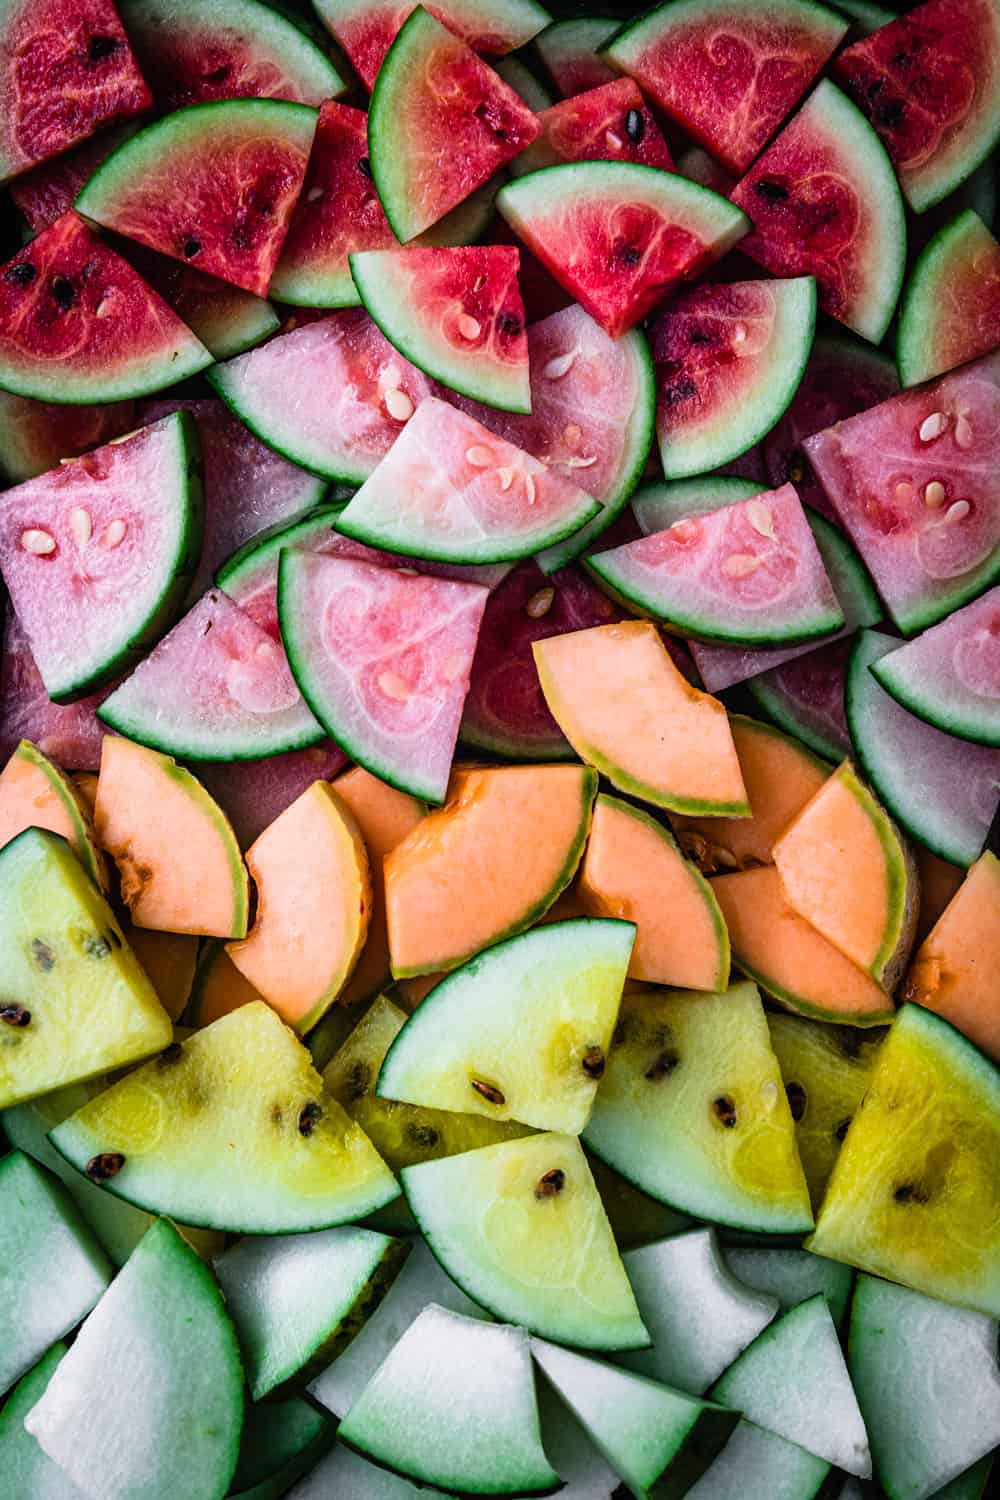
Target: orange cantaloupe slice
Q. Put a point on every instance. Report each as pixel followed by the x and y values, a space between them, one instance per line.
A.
pixel 35 793
pixel 628 711
pixel 789 959
pixel 218 988
pixel 487 864
pixel 956 970
pixel 846 869
pixel 939 880
pixel 177 855
pixel 170 960
pixel 310 870
pixel 385 816
pixel 633 869
pixel 780 776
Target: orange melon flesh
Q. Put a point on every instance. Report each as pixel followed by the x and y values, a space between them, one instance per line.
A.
pixel 789 959
pixel 844 869
pixel 939 881
pixel 410 992
pixel 633 869
pixel 385 817
pixel 956 970
pixel 219 988
pixel 780 776
pixel 626 710
pixel 169 960
pixel 35 793
pixel 310 868
pixel 487 864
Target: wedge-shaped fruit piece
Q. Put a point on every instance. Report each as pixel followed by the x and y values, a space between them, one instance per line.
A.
pixel 628 711
pixel 486 865
pixel 313 884
pixel 383 659
pixel 951 307
pixel 793 1276
pixel 699 1315
pixel 915 1190
pixel 179 862
pixel 758 1462
pixel 74 999
pixel 939 882
pixel 42 1229
pixel 26 1468
pixel 298 1300
pixel 520 1226
pixel 826 1071
pixel 636 1219
pixel 633 869
pixel 789 959
pixel 149 1400
pixel 919 1445
pixel 35 793
pixel 805 698
pixel 153 1137
pixel 218 987
pixel 520 1033
pixel 282 1441
pixel 793 1381
pixel 846 870
pixel 618 236
pixel 951 971
pixel 611 122
pixel 253 793
pixel 691 1110
pixel 170 960
pixel 569 51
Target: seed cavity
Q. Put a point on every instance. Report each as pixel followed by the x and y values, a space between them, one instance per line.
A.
pixel 932 427
pixel 21 274
pixel 761 519
pixel 62 291
pixel 80 525
pixel 540 603
pixel 663 1065
pixel 43 956
pixel 559 365
pixel 550 1184
pixel 724 1110
pixel 37 542
pixel 478 457
pixel 635 126
pixel 102 1168
pixel 488 1092
pixel 394 687
pixel 15 1015
pixel 309 1117
pixel 469 327
pixel 594 1062
pixel 508 324
pixel 796 1100
pixel 934 494
pixel 740 565
pixel 398 405
pixel 957 512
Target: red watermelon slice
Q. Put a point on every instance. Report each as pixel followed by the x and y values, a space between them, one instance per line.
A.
pixel 46 193
pixel 570 53
pixel 805 697
pixel 35 435
pixel 253 793
pixel 70 733
pixel 227 319
pixel 951 307
pixel 609 123
pixel 383 658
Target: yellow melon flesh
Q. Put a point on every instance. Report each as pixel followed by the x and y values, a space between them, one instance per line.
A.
pixel 177 855
pixel 780 777
pixel 313 902
pixel 634 870
pixel 626 709
pixel 787 956
pixel 939 881
pixel 486 865
pixel 956 971
pixel 34 793
pixel 170 960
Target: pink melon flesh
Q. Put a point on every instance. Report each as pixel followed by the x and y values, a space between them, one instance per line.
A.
pixel 610 123
pixel 253 793
pixel 70 734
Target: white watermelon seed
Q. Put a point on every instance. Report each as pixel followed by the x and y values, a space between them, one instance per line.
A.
pixel 934 494
pixel 394 686
pixel 740 333
pixel 314 195
pixel 114 534
pixel 469 327
pixel 559 365
pixel 958 511
pixel 761 520
pixel 740 565
pixel 580 463
pixel 398 405
pixel 506 478
pixel 539 604
pixel 963 432
pixel 37 542
pixel 614 142
pixel 904 492
pixel 80 525
pixel 529 488
pixel 933 426
pixel 478 456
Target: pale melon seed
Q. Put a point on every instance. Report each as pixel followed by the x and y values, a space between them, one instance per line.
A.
pixel 506 478
pixel 469 327
pixel 934 494
pixel 559 365
pixel 398 405
pixel 933 426
pixel 761 519
pixel 478 456
pixel 314 195
pixel 615 142
pixel 114 534
pixel 539 604
pixel 958 511
pixel 39 543
pixel 740 565
pixel 963 432
pixel 529 488
pixel 904 492
pixel 80 525
pixel 394 687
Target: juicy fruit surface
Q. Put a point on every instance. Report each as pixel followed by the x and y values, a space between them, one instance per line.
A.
pixel 45 193
pixel 609 123
pixel 951 310
pixel 227 319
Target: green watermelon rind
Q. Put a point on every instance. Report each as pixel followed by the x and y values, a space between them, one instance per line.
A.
pixel 922 306
pixel 571 36
pixel 252 326
pixel 660 504
pixel 242 567
pixel 775 705
pixel 929 700
pixel 851 580
pixel 526 84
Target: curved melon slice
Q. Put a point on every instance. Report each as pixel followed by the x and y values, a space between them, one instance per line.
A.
pixel 748 573
pixel 113 339
pixel 227 319
pixel 939 881
pixel 293 1160
pixel 726 71
pixel 692 1111
pixel 633 869
pixel 951 307
pixel 729 360
pixel 793 1276
pixel 619 236
pixel 35 435
pixel 111 539
pixel 851 235
pixel 170 960
pixel 805 697
pixel 282 1442
pixel 212 186
pixel 569 50
pixel 486 865
pixel 218 988
pixel 521 1228
pixel 658 506
pixel 465 123
pixel 929 83
pixel 522 1032
pixel 252 793
pixel 755 1461
pixel 915 1195
pixel 177 856
pixel 27 1469
pixel 35 793
pixel 789 959
pixel 943 791
pixel 612 122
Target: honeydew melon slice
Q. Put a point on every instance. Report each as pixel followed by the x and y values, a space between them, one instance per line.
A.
pixel 26 1468
pixel 281 1441
pixel 35 793
pixel 792 1276
pixel 758 1462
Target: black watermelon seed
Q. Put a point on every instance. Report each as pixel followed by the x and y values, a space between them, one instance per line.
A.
pixel 911 1192
pixel 359 1080
pixel 22 273
pixel 192 247
pixel 662 1065
pixel 698 337
pixel 796 1099
pixel 508 324
pixel 488 1092
pixel 424 1136
pixel 309 1116
pixel 97 947
pixel 629 255
pixel 724 1110
pixel 63 292
pixel 15 1015
pixel 100 47
pixel 840 1131
pixel 635 126
pixel 43 956
pixel 551 1184
pixel 107 1165
pixel 365 167
pixel 773 192
pixel 594 1062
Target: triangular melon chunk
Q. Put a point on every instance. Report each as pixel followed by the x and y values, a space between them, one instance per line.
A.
pixel 35 793
pixel 231 1129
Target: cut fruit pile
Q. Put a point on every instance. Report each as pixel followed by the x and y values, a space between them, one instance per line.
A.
pixel 499 750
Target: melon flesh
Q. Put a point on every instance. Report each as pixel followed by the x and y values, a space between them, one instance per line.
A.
pixel 219 988
pixel 169 960
pixel 34 793
pixel 612 122
pixel 569 53
pixel 252 793
pixel 35 435
pixel 939 882
pixel 951 310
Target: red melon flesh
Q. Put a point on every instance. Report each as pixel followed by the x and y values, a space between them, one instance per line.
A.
pixel 66 71
pixel 227 319
pixel 253 793
pixel 44 194
pixel 806 697
pixel 569 53
pixel 35 435
pixel 70 733
pixel 610 123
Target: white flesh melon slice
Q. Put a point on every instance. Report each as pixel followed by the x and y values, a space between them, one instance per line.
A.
pixel 793 1276
pixel 756 1462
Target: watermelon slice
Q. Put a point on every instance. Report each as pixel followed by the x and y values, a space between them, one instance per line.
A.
pixel 914 483
pixel 35 435
pixel 191 53
pixel 805 697
pixel 78 325
pixel 729 359
pixel 97 555
pixel 930 84
pixel 950 676
pixel 383 658
pixel 44 194
pixel 657 506
pixel 212 186
pixel 951 307
pixel 69 734
pixel 366 29
pixel 943 791
pixel 825 202
pixel 525 83
pixel 333 395
pixel 463 125
pixel 569 53
pixel 619 236
pixel 452 491
pixel 728 71
pixel 65 73
pixel 227 319
pixel 609 123
pixel 253 793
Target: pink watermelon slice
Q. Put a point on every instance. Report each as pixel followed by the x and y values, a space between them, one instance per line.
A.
pixel 66 71
pixel 951 307
pixel 915 485
pixel 70 733
pixel 609 123
pixel 44 194
pixel 383 658
pixel 77 324
pixel 253 793
pixel 35 435
pixel 452 491
pixel 570 53
pixel 805 697
pixel 212 186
